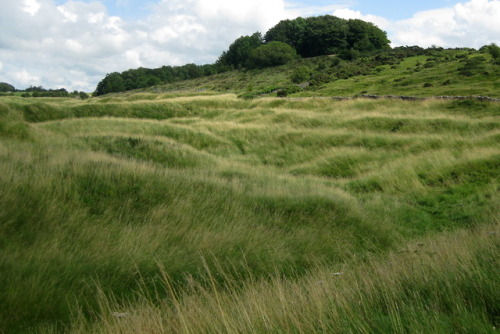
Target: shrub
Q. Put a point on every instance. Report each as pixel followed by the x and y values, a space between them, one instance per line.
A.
pixel 321 78
pixel 271 54
pixel 248 96
pixel 83 95
pixel 289 90
pixel 430 64
pixel 349 55
pixel 494 51
pixel 300 74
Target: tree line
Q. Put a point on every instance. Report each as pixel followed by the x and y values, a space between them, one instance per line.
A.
pixel 308 37
pixel 145 77
pixel 288 40
pixel 39 91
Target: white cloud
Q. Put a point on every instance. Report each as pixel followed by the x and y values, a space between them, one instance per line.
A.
pixel 26 78
pixel 75 44
pixel 472 24
pixel 68 15
pixel 295 9
pixel 44 37
pixel 347 13
pixel 31 6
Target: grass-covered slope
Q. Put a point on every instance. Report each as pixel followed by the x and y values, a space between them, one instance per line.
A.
pixel 437 73
pixel 245 205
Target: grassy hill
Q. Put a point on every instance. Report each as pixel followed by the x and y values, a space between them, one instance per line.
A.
pixel 185 209
pixel 438 73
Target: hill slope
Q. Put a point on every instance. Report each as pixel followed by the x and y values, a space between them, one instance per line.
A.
pixel 435 73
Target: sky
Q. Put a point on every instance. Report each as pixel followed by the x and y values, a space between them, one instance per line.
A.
pixel 73 44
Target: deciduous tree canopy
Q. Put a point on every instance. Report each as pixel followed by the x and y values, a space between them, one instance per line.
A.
pixel 322 35
pixel 271 54
pixel 5 87
pixel 238 53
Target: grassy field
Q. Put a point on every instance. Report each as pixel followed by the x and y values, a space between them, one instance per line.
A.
pixel 200 212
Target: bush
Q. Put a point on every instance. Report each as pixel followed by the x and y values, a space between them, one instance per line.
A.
pixel 349 55
pixel 301 74
pixel 473 66
pixel 289 90
pixel 494 50
pixel 271 54
pixel 321 78
pixel 248 96
pixel 83 95
pixel 430 64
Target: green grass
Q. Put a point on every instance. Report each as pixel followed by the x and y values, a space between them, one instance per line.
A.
pixel 245 205
pixel 443 284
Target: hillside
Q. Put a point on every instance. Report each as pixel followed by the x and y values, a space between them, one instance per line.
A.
pixel 435 72
pixel 184 208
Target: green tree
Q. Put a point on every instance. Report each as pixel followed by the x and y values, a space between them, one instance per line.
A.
pixel 271 54
pixel 112 83
pixel 239 51
pixel 327 34
pixel 366 37
pixel 494 50
pixel 5 87
pixel 288 31
pixel 324 35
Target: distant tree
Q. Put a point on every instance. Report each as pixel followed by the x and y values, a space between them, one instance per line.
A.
pixel 291 32
pixel 5 87
pixel 494 50
pixel 112 83
pixel 365 37
pixel 192 71
pixel 271 54
pixel 322 35
pixel 35 89
pixel 408 51
pixel 239 51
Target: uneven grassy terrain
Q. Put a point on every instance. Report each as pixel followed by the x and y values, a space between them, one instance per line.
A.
pixel 207 213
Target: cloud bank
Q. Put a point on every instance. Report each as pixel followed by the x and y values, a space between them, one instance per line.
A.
pixel 73 45
pixel 469 24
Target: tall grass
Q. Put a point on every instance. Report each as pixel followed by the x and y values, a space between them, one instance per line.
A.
pixel 232 200
pixel 444 284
